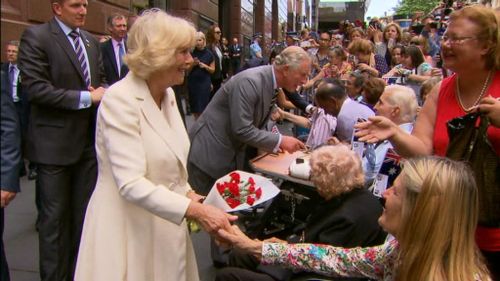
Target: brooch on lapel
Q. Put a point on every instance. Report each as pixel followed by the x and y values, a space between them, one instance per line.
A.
pixel 87 43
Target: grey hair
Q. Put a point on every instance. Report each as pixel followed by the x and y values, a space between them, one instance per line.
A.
pixel 291 56
pixel 13 43
pixel 114 16
pixel 405 99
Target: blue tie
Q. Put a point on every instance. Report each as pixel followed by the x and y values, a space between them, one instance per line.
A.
pixel 80 55
pixel 121 53
pixel 12 77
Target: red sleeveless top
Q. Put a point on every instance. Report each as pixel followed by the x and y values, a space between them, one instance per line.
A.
pixel 487 239
pixel 449 108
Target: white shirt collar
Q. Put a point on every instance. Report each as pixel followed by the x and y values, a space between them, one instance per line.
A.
pixel 66 29
pixel 275 84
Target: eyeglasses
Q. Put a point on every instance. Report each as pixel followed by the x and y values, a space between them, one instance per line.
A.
pixel 456 40
pixel 217 32
pixel 415 43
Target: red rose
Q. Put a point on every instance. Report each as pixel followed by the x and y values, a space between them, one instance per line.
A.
pixel 221 188
pixel 258 193
pixel 251 189
pixel 233 203
pixel 250 200
pixel 251 181
pixel 235 177
pixel 234 189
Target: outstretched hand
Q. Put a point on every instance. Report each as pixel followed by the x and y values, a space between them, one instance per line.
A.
pixel 376 129
pixel 239 240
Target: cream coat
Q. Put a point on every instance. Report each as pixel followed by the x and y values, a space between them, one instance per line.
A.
pixel 134 227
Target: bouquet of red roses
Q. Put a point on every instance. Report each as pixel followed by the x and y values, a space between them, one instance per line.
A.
pixel 240 190
pixel 237 191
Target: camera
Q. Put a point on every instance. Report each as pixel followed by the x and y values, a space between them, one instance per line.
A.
pixel 376 25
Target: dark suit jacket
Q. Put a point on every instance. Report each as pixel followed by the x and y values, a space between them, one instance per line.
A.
pixel 109 62
pixel 23 106
pixel 58 130
pixel 10 141
pixel 296 100
pixel 233 120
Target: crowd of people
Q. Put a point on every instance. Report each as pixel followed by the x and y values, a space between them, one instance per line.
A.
pixel 118 175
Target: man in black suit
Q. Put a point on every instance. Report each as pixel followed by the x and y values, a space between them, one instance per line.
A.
pixel 11 75
pixel 10 162
pixel 114 49
pixel 62 72
pixel 235 51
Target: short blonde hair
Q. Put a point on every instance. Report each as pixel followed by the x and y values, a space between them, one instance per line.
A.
pixel 154 40
pixel 335 170
pixel 398 30
pixel 488 30
pixel 201 35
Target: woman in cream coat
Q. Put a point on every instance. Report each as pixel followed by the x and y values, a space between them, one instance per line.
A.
pixel 135 227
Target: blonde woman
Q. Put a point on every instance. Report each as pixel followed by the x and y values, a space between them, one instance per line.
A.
pixel 391 36
pixel 199 82
pixel 470 47
pixel 135 225
pixel 431 210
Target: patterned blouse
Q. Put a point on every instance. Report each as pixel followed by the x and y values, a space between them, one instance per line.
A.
pixel 377 263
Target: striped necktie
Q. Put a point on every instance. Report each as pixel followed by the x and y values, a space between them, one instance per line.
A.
pixel 121 53
pixel 80 55
pixel 271 107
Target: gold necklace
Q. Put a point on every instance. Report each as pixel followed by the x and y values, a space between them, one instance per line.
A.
pixel 483 90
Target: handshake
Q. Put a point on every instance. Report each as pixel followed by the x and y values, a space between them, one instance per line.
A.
pixel 210 218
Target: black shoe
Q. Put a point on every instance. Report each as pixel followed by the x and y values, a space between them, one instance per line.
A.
pixel 32 174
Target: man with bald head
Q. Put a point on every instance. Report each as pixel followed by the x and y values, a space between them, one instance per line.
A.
pixel 332 97
pixel 235 119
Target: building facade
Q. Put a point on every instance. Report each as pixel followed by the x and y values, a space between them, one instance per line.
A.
pixel 237 18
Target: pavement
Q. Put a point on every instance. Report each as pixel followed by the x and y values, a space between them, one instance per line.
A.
pixel 21 239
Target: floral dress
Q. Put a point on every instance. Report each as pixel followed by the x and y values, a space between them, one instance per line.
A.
pixel 372 262
pixel 378 263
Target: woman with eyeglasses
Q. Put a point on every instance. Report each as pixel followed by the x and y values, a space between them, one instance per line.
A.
pixel 213 36
pixel 431 210
pixel 470 47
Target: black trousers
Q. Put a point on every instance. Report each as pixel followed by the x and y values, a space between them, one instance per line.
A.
pixel 64 194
